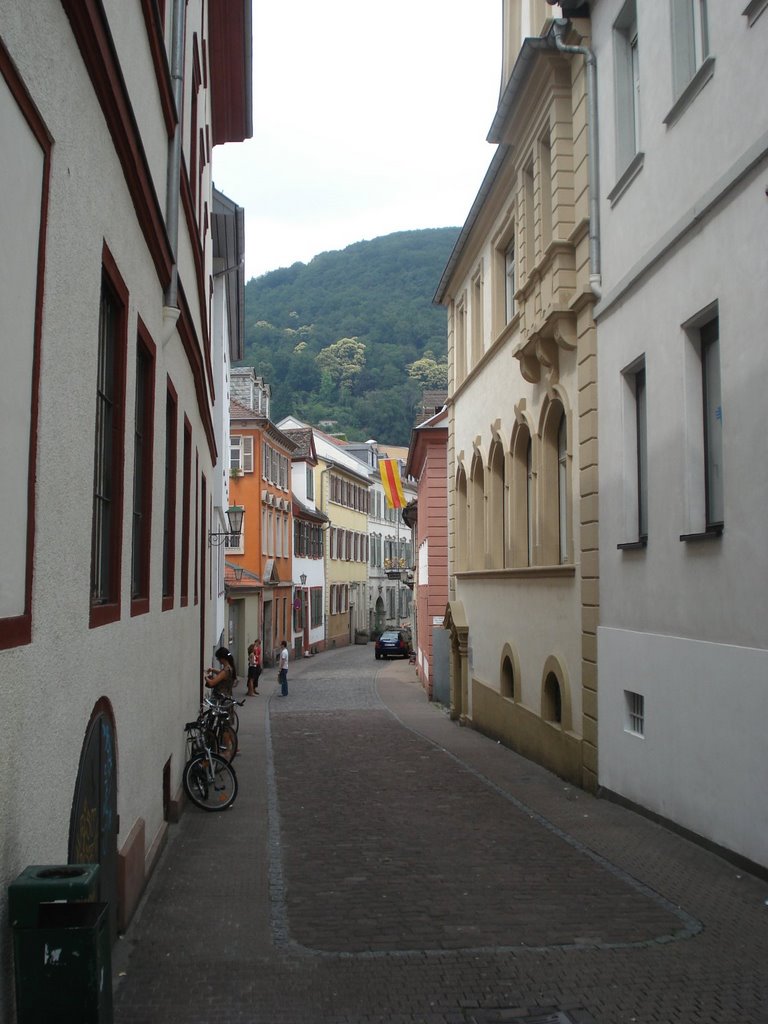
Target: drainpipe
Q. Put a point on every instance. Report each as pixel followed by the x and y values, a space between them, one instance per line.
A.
pixel 595 273
pixel 172 194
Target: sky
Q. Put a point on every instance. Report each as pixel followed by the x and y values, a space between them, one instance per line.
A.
pixel 368 118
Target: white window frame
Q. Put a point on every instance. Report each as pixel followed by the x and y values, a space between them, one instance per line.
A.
pixel 634 713
pixel 241 452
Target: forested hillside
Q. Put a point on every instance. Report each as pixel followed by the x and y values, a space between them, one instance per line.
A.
pixel 352 336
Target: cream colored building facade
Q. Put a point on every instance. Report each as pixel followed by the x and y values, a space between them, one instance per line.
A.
pixel 522 456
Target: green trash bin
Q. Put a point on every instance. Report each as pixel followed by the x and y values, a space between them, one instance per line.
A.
pixel 61 946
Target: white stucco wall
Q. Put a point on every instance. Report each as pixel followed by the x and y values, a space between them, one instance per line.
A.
pixel 683 623
pixel 145 665
pixel 701 762
pixel 682 160
pixel 716 590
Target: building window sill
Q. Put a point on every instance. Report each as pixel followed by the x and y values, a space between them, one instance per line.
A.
pixel 626 179
pixel 753 10
pixel 633 545
pixel 691 91
pixel 713 532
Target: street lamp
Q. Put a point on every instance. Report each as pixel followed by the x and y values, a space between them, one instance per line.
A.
pixel 303 579
pixel 235 515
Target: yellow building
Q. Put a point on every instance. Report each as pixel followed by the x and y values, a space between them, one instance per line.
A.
pixel 341 486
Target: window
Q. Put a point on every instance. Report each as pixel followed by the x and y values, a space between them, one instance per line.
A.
pixel 704 430
pixel 241 454
pixel 509 281
pixel 627 79
pixel 497 507
pixel 169 516
pixel 316 607
pixel 235 545
pixel 634 713
pixel 186 485
pixel 109 444
pixel 553 491
pixel 477 538
pixel 144 409
pixel 529 499
pixel 310 484
pixel 461 534
pixel 690 41
pixel 562 489
pixel 635 421
pixel 713 424
pixel 508 679
pixel 460 331
pixel 477 316
pixel 641 430
pixel 530 224
pixel 545 190
pixel 552 705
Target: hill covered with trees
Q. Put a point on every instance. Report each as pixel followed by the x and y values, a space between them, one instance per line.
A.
pixel 352 336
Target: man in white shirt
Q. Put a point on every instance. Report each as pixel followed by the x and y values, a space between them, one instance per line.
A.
pixel 283 675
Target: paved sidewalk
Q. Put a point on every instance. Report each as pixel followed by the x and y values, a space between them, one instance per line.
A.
pixel 383 864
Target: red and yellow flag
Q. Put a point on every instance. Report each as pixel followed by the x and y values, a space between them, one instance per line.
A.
pixel 390 478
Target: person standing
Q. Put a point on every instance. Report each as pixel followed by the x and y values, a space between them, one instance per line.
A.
pixel 221 682
pixel 283 673
pixel 254 668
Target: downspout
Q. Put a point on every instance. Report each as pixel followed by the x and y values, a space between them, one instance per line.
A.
pixel 172 189
pixel 595 273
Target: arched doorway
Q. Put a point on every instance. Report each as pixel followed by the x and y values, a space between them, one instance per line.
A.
pixel 93 824
pixel 379 616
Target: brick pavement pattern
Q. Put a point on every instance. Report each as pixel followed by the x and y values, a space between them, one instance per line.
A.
pixel 382 864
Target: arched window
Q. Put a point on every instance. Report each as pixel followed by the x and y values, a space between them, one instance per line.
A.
pixel 529 500
pixel 461 520
pixel 476 509
pixel 522 497
pixel 554 486
pixel 508 679
pixel 552 703
pixel 497 507
pixel 562 488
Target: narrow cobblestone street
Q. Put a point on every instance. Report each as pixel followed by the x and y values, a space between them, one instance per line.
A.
pixel 383 864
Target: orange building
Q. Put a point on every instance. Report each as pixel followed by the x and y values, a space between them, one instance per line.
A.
pixel 258 565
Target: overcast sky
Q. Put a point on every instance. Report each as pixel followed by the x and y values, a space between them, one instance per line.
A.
pixel 368 118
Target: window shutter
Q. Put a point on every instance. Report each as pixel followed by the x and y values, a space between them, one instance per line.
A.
pixel 247 454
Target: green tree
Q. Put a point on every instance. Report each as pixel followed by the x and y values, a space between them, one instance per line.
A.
pixel 429 374
pixel 343 361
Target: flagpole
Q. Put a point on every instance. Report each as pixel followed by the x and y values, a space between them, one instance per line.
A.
pixel 398 566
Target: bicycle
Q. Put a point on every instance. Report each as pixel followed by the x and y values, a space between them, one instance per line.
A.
pixel 209 779
pixel 214 719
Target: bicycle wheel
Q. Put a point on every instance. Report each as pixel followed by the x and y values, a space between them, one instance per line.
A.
pixel 227 740
pixel 210 784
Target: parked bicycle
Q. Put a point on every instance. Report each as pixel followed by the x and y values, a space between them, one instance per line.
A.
pixel 209 779
pixel 215 718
